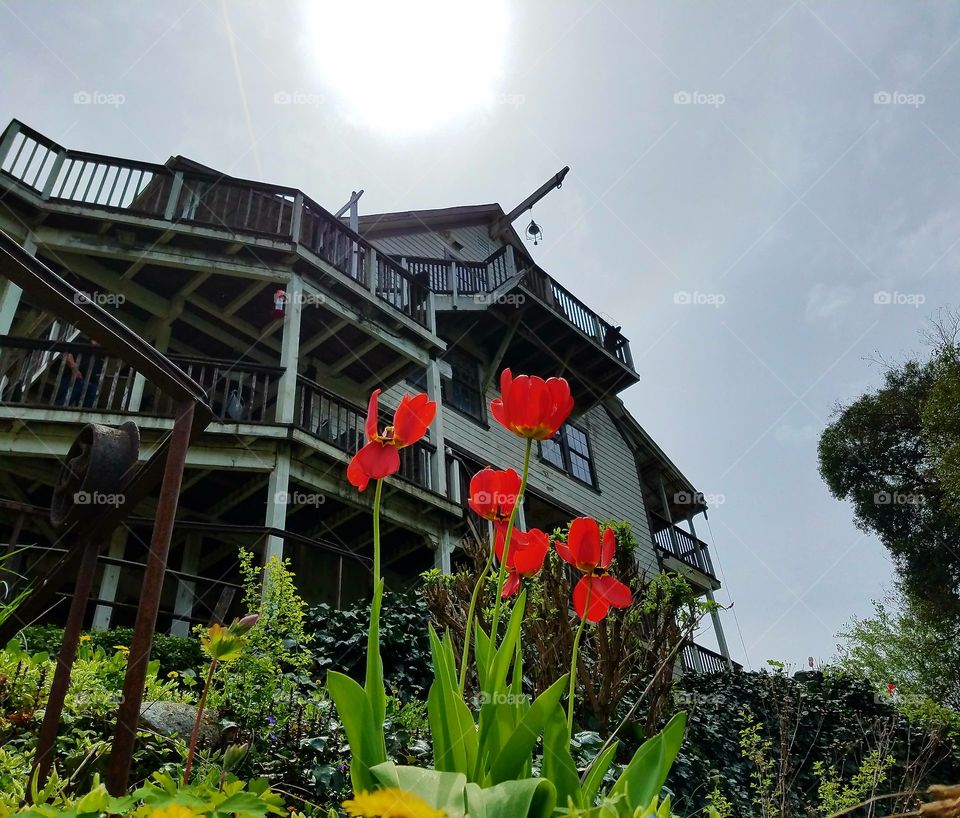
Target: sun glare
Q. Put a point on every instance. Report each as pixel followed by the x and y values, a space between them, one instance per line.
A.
pixel 404 66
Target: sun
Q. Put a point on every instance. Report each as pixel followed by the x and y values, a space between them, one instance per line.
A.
pixel 407 66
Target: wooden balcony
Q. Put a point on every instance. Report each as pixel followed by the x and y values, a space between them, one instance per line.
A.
pixel 337 421
pixel 674 543
pixel 186 194
pixel 695 658
pixel 595 357
pixel 34 375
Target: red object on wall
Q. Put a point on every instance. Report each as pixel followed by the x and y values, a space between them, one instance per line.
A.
pixel 279 303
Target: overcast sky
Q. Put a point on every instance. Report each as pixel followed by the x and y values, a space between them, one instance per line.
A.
pixel 748 180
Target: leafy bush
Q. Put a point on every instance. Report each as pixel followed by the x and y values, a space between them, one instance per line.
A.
pixel 775 744
pixel 339 641
pixel 173 653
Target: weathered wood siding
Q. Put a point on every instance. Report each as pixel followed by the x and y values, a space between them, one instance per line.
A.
pixel 618 494
pixel 477 245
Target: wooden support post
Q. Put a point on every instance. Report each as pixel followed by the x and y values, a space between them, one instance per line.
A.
pixel 444 552
pixel 128 714
pixel 289 351
pixel 186 588
pixel 296 219
pixel 453 482
pixel 110 580
pixel 278 489
pixel 170 212
pixel 438 472
pixel 372 271
pixel 10 295
pixel 454 283
pixel 6 141
pixel 714 614
pixel 52 177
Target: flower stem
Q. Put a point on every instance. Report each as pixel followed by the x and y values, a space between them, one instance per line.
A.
pixel 470 614
pixel 196 724
pixel 501 577
pixel 374 678
pixel 573 664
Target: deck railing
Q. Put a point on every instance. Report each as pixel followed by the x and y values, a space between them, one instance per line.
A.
pixel 695 658
pixel 35 373
pixel 337 421
pixel 682 545
pixel 209 199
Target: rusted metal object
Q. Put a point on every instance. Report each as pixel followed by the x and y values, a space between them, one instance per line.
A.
pixel 46 740
pixel 51 292
pixel 128 715
pixel 94 470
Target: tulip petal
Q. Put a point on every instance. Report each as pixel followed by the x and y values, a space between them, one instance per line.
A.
pixel 372 426
pixel 511 585
pixel 373 462
pixel 528 561
pixel 584 542
pixel 599 606
pixel 613 591
pixel 412 418
pixel 608 548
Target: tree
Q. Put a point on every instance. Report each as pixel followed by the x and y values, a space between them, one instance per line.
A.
pixel 895 455
pixel 897 645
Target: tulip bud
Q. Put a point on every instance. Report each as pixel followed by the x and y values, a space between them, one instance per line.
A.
pixel 242 626
pixel 233 755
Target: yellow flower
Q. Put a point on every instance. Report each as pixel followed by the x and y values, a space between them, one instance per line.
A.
pixel 390 803
pixel 172 674
pixel 86 637
pixel 121 648
pixel 173 811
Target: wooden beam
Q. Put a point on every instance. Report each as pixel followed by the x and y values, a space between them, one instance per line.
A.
pixel 501 225
pixel 244 297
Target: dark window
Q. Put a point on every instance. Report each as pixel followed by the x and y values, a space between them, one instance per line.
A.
pixel 570 451
pixel 464 391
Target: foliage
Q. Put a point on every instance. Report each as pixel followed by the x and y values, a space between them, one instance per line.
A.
pixel 215 795
pixel 899 646
pixel 627 651
pixel 893 453
pixel 835 795
pixel 787 725
pixel 339 636
pixel 88 716
pixel 263 683
pixel 173 653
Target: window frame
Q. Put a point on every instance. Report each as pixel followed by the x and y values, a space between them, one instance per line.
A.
pixel 460 360
pixel 563 444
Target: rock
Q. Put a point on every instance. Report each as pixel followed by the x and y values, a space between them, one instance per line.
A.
pixel 176 719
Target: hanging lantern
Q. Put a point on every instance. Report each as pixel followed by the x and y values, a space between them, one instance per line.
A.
pixel 279 303
pixel 534 232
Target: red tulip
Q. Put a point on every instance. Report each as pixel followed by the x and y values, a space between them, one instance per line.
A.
pixel 532 407
pixel 493 494
pixel 380 457
pixel 591 555
pixel 528 550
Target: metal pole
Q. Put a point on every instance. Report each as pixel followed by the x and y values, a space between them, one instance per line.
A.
pixel 128 714
pixel 68 653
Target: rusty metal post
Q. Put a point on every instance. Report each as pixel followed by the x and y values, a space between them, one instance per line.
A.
pixel 68 653
pixel 128 714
